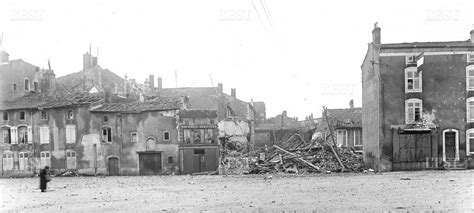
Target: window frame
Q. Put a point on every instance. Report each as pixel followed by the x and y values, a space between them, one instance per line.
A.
pixel 360 137
pixel 35 86
pixel 45 113
pixel 45 139
pixel 24 116
pixel 109 135
pixel 468 144
pixel 413 70
pixel 468 110
pixel 469 59
pixel 7 116
pixel 414 101
pixel 169 136
pixel 172 160
pixel 67 114
pixel 344 136
pixel 105 119
pixel 70 140
pixel 407 59
pixel 131 137
pixel 26 84
pixel 468 86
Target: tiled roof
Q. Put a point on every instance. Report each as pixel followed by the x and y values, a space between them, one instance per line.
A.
pixel 157 104
pixel 85 80
pixel 39 100
pixel 198 114
pixel 30 101
pixel 201 98
pixel 346 117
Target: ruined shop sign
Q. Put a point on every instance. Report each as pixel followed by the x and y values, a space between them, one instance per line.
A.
pixel 199 126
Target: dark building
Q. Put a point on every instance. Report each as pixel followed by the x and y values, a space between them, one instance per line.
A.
pixel 417 104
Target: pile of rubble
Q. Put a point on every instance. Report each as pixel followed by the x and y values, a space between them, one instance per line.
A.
pixel 68 173
pixel 297 156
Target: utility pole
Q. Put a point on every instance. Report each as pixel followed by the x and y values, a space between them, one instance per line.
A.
pixel 333 141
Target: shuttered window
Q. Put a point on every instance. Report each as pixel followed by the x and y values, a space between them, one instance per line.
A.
pixel 413 110
pixel 70 134
pixel 44 134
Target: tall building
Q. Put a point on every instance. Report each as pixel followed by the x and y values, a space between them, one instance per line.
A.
pixel 418 104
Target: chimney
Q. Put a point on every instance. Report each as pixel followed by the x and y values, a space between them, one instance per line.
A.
pixel 160 84
pixel 107 95
pixel 232 93
pixel 472 34
pixel 220 87
pixel 376 34
pixel 152 81
pixel 3 57
pixel 351 104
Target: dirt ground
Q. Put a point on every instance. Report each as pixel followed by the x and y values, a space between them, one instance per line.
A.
pixel 396 191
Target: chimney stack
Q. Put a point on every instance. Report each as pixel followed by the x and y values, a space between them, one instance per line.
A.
pixel 151 80
pixel 472 34
pixel 232 93
pixel 220 88
pixel 160 84
pixel 376 34
pixel 351 104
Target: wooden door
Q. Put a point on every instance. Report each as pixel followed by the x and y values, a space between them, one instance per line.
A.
pixel 149 163
pixel 450 145
pixel 113 166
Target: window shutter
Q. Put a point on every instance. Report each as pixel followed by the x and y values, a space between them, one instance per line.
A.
pixel 68 134
pixel 30 134
pixel 14 135
pixel 46 134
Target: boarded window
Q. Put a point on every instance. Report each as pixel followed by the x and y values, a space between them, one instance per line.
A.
pixel 106 134
pixel 44 134
pixel 70 134
pixel 7 160
pixel 341 137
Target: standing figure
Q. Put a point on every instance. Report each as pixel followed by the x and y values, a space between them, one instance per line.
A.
pixel 44 178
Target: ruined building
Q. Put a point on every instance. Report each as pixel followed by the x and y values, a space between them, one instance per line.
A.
pixel 418 104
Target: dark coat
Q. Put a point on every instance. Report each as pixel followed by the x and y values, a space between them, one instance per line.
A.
pixel 44 178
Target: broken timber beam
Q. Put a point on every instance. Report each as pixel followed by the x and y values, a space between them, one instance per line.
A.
pixel 299 158
pixel 332 137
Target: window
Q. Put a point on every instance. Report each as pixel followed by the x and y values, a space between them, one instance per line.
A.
pixel 14 87
pixel 44 134
pixel 69 114
pixel 27 84
pixel 341 137
pixel 166 136
pixel 70 159
pixel 410 59
pixel 105 119
pixel 357 138
pixel 22 115
pixel 70 134
pixel 106 134
pixel 6 135
pixel 44 115
pixel 134 137
pixel 470 77
pixel 470 57
pixel 170 160
pixel 7 160
pixel 24 135
pixel 413 110
pixel 35 86
pixel 413 80
pixel 45 158
pixel 5 116
pixel 470 142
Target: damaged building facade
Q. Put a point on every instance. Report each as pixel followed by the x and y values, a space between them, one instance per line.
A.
pixel 418 104
pixel 95 122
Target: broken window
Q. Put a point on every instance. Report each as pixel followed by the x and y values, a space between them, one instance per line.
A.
pixel 22 115
pixel 187 133
pixel 22 135
pixel 166 136
pixel 6 135
pixel 35 86
pixel 470 77
pixel 413 80
pixel 69 114
pixel 413 110
pixel 5 116
pixel 44 134
pixel 209 136
pixel 27 85
pixel 341 137
pixel 134 137
pixel 106 134
pixel 197 136
pixel 70 134
pixel 44 115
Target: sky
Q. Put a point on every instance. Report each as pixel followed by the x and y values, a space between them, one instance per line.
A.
pixel 296 56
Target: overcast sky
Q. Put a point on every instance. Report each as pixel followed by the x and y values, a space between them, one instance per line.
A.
pixel 293 55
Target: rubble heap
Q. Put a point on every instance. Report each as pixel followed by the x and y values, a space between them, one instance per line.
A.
pixel 297 156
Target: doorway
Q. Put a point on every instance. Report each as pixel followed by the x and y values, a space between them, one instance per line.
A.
pixel 450 144
pixel 149 163
pixel 113 166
